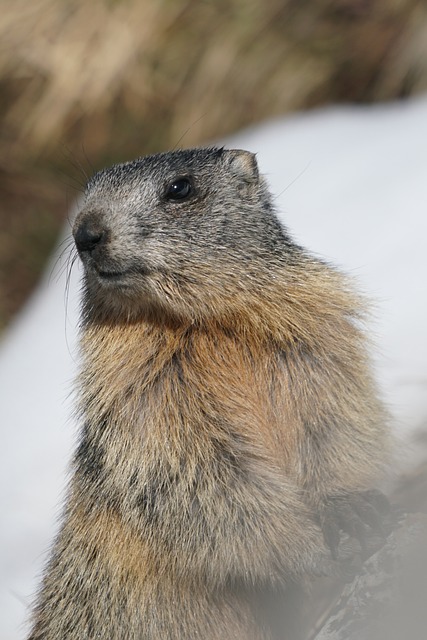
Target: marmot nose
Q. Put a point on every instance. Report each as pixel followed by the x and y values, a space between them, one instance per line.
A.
pixel 89 235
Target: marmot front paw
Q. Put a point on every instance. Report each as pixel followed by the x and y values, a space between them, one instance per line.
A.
pixel 364 516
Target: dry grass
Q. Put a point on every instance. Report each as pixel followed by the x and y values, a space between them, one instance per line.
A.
pixel 207 66
pixel 111 79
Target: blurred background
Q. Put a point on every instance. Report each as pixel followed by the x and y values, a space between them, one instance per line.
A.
pixel 84 84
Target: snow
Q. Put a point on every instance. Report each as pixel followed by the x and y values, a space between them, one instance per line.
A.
pixel 351 184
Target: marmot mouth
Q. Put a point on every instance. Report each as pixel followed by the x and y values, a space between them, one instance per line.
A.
pixel 113 277
pixel 116 276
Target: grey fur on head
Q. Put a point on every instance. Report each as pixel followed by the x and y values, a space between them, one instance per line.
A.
pixel 226 218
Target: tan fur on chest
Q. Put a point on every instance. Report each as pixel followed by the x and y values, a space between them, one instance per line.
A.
pixel 178 389
pixel 162 381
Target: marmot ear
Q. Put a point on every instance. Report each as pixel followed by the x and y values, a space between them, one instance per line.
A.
pixel 243 164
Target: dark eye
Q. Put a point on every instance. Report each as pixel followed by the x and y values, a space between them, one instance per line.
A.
pixel 179 189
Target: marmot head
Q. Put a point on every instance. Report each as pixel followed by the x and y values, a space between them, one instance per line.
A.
pixel 181 233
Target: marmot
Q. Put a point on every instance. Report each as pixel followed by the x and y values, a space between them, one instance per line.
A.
pixel 230 420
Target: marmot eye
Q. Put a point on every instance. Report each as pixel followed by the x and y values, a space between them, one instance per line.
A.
pixel 179 189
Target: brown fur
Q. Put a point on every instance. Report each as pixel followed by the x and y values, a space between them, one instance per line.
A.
pixel 218 421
